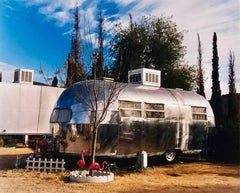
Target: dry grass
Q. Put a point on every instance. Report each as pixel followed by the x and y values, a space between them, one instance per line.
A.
pixel 182 177
pixel 191 177
pixel 14 151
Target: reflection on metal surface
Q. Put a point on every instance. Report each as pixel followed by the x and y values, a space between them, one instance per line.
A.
pixel 143 118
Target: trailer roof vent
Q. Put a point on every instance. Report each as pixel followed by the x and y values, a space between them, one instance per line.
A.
pixel 23 76
pixel 145 76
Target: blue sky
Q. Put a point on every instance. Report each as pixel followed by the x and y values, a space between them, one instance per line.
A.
pixel 35 34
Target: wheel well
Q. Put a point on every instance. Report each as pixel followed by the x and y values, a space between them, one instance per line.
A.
pixel 178 151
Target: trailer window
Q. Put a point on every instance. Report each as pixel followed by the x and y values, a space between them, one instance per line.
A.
pixel 130 105
pixel 130 109
pixel 154 106
pixel 151 114
pixel 61 115
pixel 199 113
pixel 130 113
pixel 154 110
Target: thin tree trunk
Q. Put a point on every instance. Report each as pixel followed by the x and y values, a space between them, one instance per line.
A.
pixel 93 150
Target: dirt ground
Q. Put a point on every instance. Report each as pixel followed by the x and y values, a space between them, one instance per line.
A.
pixel 180 177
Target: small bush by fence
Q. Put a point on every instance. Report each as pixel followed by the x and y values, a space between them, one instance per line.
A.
pixel 45 164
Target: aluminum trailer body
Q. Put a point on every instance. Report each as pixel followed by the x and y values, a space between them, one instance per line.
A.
pixel 143 118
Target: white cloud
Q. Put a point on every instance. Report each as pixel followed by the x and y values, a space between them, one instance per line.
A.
pixel 89 17
pixel 124 3
pixel 205 18
pixel 62 17
pixel 59 10
pixel 195 16
pixel 7 71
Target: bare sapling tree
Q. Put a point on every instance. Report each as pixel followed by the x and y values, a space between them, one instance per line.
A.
pixel 98 93
pixel 56 79
pixel 98 97
pixel 46 78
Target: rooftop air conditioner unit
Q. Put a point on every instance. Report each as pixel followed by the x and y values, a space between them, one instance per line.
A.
pixel 145 76
pixel 23 76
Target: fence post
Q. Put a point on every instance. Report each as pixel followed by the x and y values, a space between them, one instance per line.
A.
pixel 39 164
pixel 50 164
pixel 56 166
pixel 27 163
pixel 33 163
pixel 62 165
pixel 45 164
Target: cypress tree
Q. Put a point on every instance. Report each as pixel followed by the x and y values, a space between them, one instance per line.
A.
pixel 200 78
pixel 216 91
pixel 231 82
pixel 232 97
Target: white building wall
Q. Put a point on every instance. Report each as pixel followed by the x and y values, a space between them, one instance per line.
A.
pixel 26 109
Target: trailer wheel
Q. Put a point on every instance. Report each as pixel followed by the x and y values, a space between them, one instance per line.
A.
pixel 170 156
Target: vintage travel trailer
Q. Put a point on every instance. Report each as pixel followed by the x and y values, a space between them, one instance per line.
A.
pixel 144 117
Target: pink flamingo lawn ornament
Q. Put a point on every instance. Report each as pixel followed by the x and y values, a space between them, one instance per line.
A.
pixel 93 166
pixel 81 163
pixel 96 166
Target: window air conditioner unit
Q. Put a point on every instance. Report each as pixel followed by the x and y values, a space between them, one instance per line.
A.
pixel 23 76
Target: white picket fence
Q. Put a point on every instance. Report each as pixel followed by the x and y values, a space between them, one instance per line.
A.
pixel 45 164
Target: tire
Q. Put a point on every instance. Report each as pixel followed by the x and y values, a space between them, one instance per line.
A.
pixel 170 156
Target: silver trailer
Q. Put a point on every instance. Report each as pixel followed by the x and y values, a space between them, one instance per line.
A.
pixel 143 118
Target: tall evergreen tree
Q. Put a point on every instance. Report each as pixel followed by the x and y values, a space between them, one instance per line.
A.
pixel 98 57
pixel 200 77
pixel 231 82
pixel 232 107
pixel 216 92
pixel 75 65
